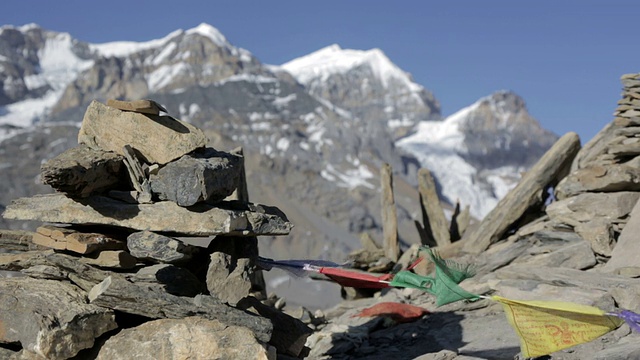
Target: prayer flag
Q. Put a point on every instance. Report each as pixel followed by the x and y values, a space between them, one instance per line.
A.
pixel 355 279
pixel 545 327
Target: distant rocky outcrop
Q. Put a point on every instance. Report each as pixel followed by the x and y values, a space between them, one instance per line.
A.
pixel 145 259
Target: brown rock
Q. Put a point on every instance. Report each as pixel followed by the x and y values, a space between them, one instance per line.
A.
pixel 115 259
pixel 158 139
pixel 68 239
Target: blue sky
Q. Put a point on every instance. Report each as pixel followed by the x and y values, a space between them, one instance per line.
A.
pixel 563 57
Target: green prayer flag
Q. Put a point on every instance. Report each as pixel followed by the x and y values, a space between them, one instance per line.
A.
pixel 407 279
pixel 448 275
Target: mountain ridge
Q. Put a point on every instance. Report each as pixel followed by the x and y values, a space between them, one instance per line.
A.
pixel 315 151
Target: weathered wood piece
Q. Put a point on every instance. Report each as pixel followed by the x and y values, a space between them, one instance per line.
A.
pixel 117 293
pixel 50 318
pixel 551 168
pixel 166 216
pixel 203 175
pixel 158 139
pixel 192 338
pixel 140 106
pixel 389 215
pixel 72 240
pixel 137 175
pixel 82 171
pixel 433 219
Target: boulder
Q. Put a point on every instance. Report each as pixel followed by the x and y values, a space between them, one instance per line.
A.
pixel 173 279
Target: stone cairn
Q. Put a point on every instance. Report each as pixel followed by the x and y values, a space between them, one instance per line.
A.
pixel 125 266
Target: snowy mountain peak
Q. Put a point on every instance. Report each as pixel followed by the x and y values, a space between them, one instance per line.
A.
pixel 334 60
pixel 211 32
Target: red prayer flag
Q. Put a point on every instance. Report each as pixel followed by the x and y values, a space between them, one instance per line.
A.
pixel 355 279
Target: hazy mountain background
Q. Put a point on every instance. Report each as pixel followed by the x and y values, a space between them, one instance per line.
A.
pixel 315 130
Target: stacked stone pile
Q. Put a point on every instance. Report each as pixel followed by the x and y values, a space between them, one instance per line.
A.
pixel 125 265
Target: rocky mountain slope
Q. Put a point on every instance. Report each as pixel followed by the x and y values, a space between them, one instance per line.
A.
pixel 315 130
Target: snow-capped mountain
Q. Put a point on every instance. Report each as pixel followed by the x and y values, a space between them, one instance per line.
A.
pixel 367 84
pixel 478 153
pixel 315 130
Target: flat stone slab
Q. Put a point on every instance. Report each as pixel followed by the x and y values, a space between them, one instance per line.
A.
pixel 235 218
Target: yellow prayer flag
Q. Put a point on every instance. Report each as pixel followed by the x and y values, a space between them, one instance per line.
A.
pixel 545 327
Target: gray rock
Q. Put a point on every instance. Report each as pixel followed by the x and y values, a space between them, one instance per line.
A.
pixel 207 175
pixel 146 245
pixel 588 206
pixel 433 217
pixel 623 351
pixel 43 263
pixel 158 139
pixel 599 179
pixel 199 220
pixel 575 255
pixel 625 253
pixel 148 300
pixel 173 279
pixel 50 318
pixel 189 338
pixel 228 279
pixel 528 282
pixel 82 171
